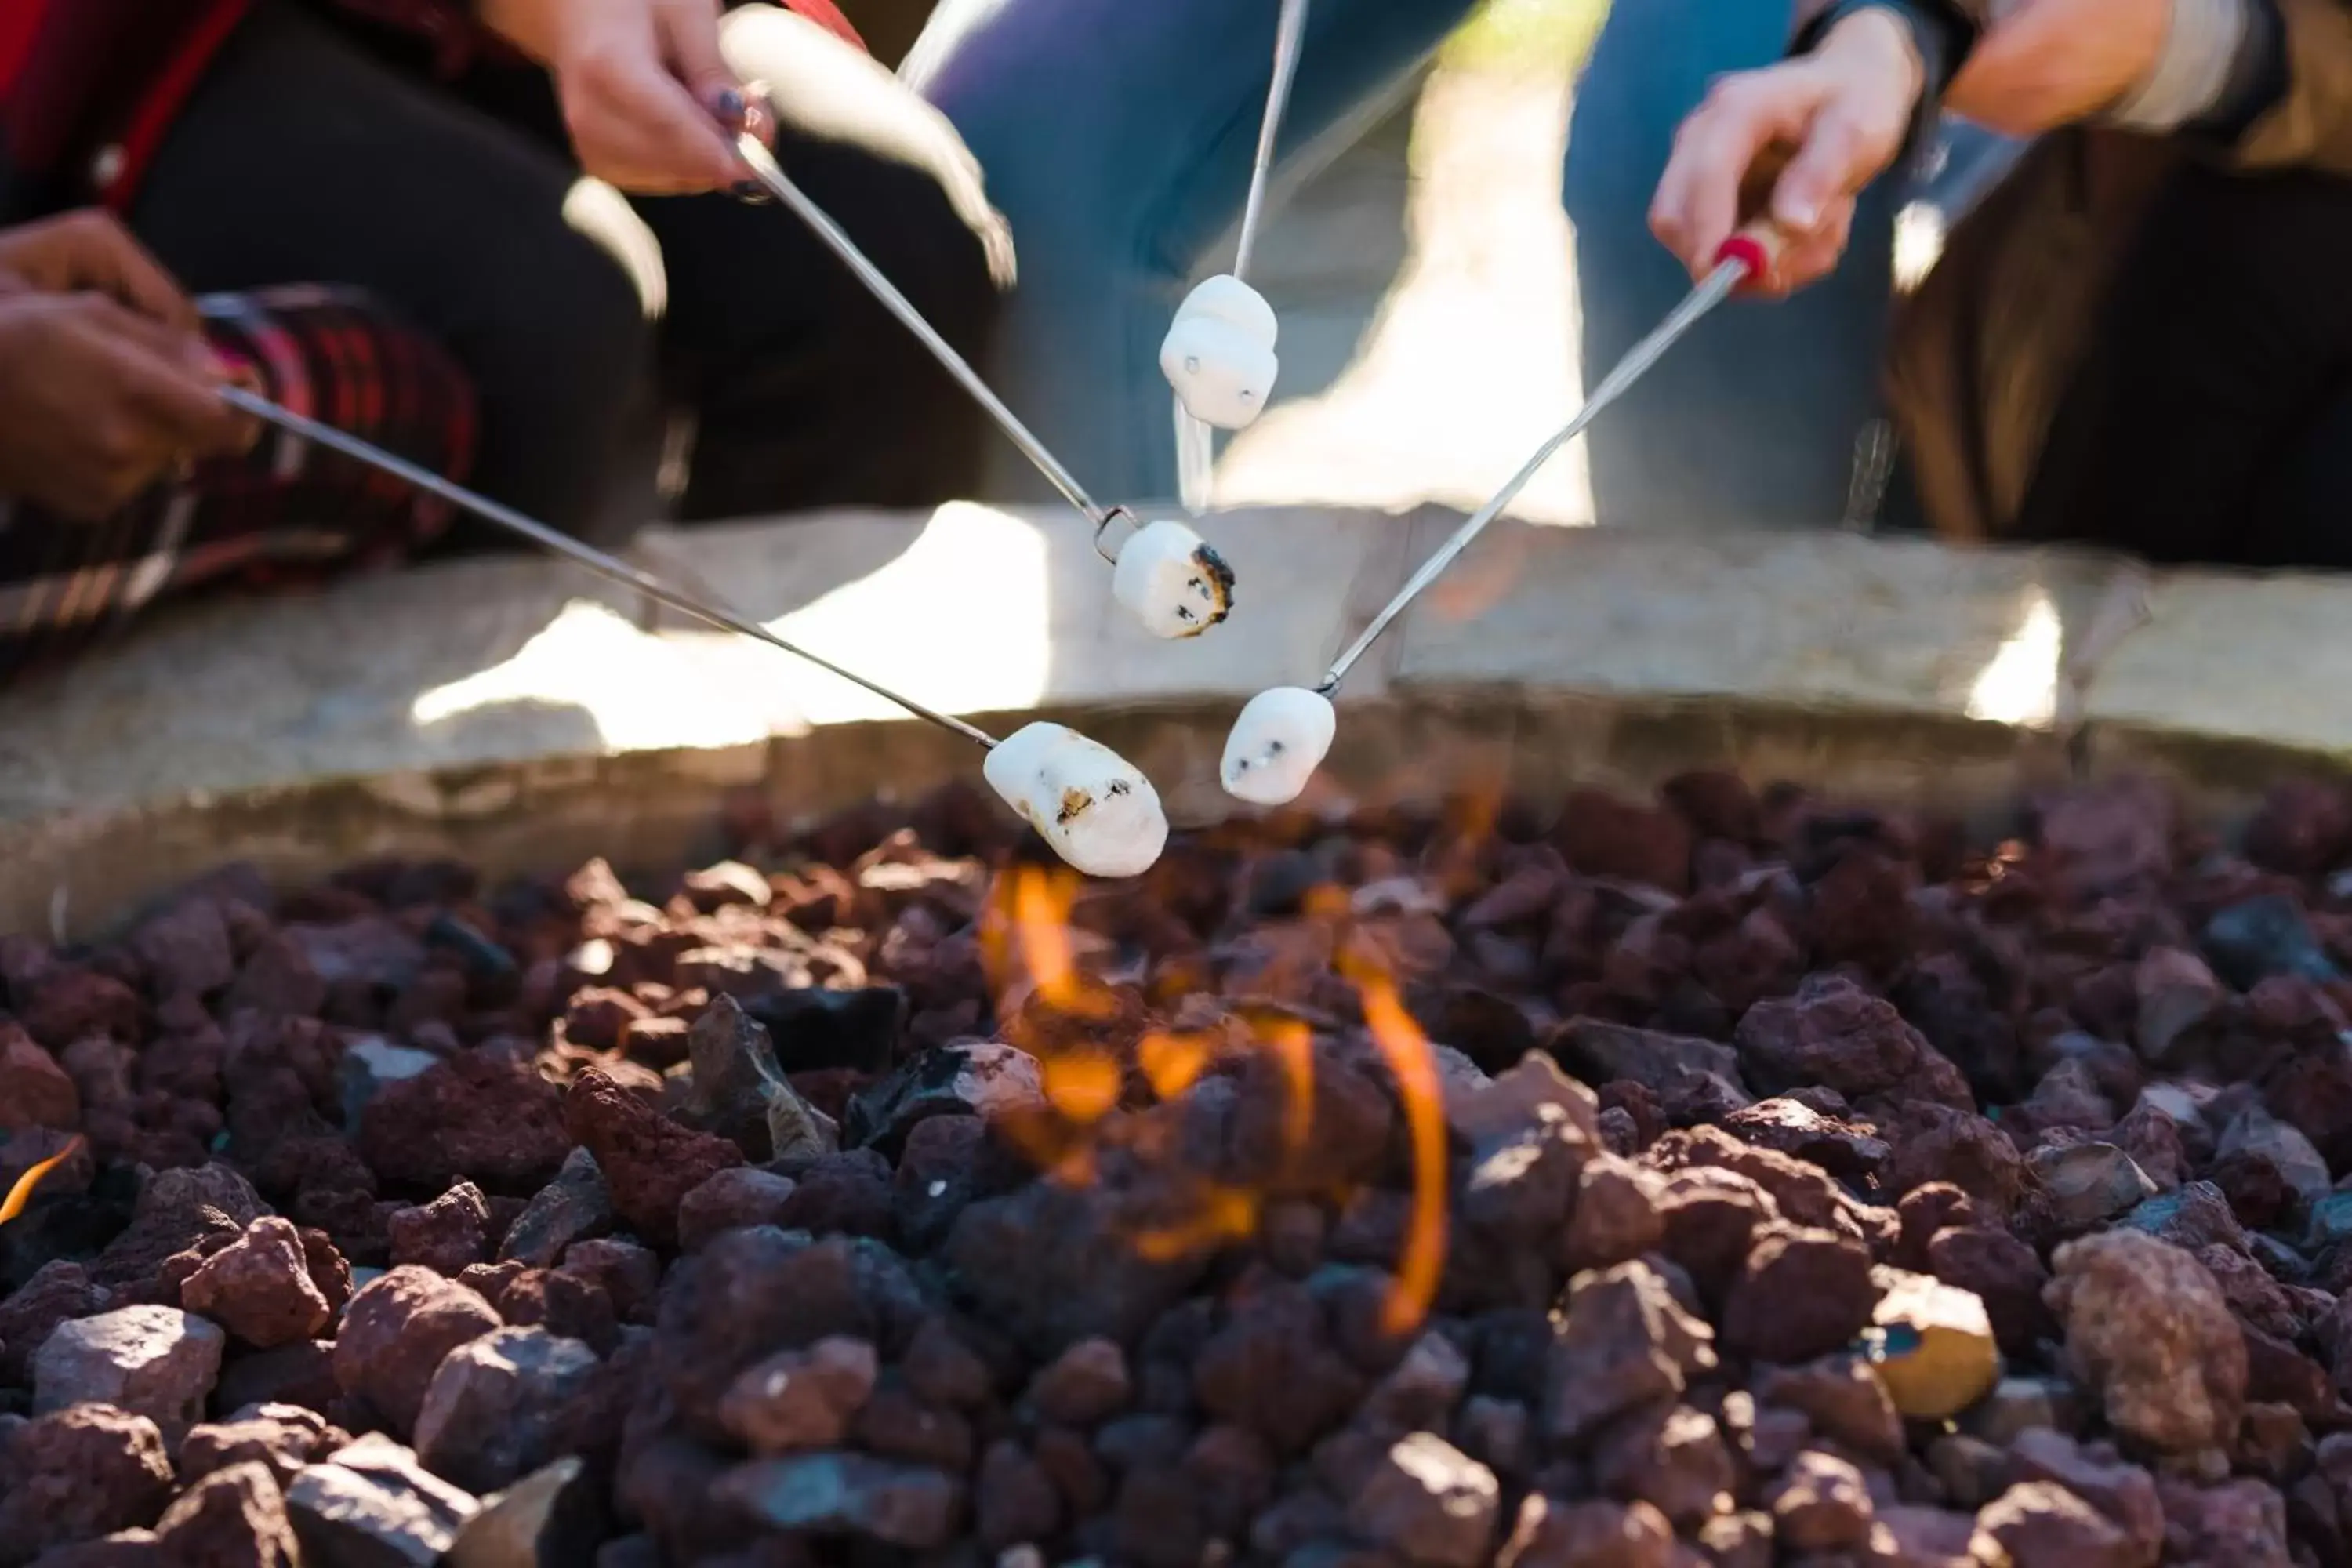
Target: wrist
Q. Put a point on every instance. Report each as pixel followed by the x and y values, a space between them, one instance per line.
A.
pixel 532 26
pixel 1879 39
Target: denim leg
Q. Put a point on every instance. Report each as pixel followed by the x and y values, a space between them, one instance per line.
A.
pixel 1753 418
pixel 1118 136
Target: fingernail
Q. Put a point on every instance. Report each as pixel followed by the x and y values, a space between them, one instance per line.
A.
pixel 1800 213
pixel 750 191
pixel 730 106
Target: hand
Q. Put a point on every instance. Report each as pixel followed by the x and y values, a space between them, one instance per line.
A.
pixel 98 402
pixel 2054 62
pixel 91 252
pixel 1844 108
pixel 650 103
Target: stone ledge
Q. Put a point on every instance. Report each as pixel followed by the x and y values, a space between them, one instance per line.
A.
pixel 517 711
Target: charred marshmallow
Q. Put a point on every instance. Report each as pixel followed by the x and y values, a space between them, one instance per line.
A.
pixel 1219 352
pixel 1084 799
pixel 1277 744
pixel 1171 580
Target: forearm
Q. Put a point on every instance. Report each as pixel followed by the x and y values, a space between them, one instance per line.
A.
pixel 2222 65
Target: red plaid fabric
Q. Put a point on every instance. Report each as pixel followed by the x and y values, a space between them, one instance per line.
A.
pixel 286 511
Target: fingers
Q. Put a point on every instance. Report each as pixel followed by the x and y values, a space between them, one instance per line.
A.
pixel 1696 205
pixel 1808 257
pixel 170 380
pixel 92 250
pixel 638 127
pixel 120 266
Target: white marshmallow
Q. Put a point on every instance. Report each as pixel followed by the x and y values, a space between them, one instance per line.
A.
pixel 1226 298
pixel 1219 353
pixel 1084 799
pixel 1277 743
pixel 1171 580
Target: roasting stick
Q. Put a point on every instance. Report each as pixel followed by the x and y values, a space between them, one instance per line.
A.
pixel 771 174
pixel 1741 255
pixel 1085 800
pixel 1164 573
pixel 563 545
pixel 1289 30
pixel 1195 443
pixel 1283 734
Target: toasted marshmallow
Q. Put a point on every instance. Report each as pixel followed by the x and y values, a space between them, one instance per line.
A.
pixel 1084 799
pixel 1219 353
pixel 1171 580
pixel 1277 743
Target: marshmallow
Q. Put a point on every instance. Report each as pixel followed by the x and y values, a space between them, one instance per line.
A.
pixel 1219 353
pixel 1171 580
pixel 1084 799
pixel 1277 743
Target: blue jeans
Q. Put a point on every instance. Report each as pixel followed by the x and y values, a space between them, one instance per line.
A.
pixel 1118 136
pixel 1756 416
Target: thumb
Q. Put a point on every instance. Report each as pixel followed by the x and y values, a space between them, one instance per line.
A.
pixel 691 39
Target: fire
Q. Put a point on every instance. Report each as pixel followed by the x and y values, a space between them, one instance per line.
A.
pixel 1406 1048
pixel 1172 1062
pixel 1225 1213
pixel 1082 1084
pixel 22 1192
pixel 1293 1045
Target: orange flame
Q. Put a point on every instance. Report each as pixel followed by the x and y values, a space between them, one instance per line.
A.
pixel 1082 1084
pixel 1226 1214
pixel 1170 1062
pixel 22 1192
pixel 1293 1045
pixel 1400 1041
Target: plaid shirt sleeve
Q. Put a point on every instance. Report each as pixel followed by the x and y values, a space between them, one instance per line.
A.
pixel 283 514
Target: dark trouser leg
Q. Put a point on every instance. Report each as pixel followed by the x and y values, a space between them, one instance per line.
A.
pixel 2205 416
pixel 301 157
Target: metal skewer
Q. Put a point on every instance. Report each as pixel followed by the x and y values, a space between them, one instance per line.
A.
pixel 771 176
pixel 1195 445
pixel 1745 255
pixel 570 549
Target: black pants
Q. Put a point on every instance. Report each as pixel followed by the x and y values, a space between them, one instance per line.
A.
pixel 316 152
pixel 2211 420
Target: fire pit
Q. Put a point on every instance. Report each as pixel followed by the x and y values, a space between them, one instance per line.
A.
pixel 1731 1176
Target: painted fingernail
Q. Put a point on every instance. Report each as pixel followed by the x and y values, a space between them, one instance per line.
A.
pixel 730 106
pixel 750 191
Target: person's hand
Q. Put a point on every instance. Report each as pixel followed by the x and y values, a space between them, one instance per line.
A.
pixel 91 252
pixel 649 101
pixel 2054 62
pixel 97 401
pixel 1840 110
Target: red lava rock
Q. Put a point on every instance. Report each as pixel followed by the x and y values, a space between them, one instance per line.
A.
pixel 1550 1533
pixel 234 1516
pixel 1800 1294
pixel 798 1400
pixel 394 1334
pixel 468 1118
pixel 649 1161
pixel 2148 1328
pixel 1836 1034
pixel 2303 827
pixel 75 1475
pixel 59 1291
pixel 447 1235
pixel 1603 837
pixel 283 1438
pixel 259 1287
pixel 1820 1504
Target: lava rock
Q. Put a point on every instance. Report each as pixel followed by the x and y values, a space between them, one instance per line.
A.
pixel 77 1474
pixel 469 1117
pixel 259 1287
pixel 233 1518
pixel 370 1504
pixel 156 1362
pixel 874 1499
pixel 1428 1502
pixel 499 1407
pixel 394 1334
pixel 799 1400
pixel 2148 1330
pixel 649 1161
pixel 968 1078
